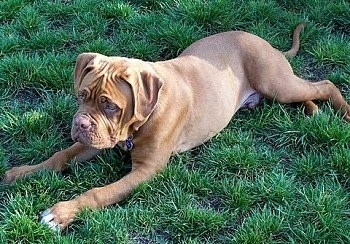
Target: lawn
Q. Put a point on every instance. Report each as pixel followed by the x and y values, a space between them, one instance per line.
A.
pixel 272 176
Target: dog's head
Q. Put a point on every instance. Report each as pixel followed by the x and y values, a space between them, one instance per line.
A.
pixel 116 97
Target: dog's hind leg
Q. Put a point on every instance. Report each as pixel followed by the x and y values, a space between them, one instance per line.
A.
pixel 300 90
pixel 310 108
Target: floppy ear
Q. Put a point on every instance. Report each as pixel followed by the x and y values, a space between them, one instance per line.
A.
pixel 84 64
pixel 145 88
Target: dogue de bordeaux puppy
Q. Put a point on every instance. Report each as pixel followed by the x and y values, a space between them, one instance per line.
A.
pixel 154 109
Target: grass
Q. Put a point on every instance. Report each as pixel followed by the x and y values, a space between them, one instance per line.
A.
pixel 272 176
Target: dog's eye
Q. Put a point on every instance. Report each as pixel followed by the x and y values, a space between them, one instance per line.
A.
pixel 82 95
pixel 111 107
pixel 108 106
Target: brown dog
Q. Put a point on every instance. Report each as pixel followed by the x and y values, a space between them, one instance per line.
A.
pixel 155 109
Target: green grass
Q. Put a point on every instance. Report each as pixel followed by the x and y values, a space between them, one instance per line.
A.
pixel 272 176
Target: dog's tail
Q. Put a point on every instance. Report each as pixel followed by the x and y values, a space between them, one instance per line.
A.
pixel 296 41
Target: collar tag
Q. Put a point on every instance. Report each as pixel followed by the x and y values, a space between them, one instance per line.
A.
pixel 129 144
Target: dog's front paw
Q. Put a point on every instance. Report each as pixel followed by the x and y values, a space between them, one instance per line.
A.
pixel 59 216
pixel 48 219
pixel 15 173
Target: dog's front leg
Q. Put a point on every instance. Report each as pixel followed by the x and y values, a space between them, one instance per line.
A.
pixel 58 162
pixel 62 213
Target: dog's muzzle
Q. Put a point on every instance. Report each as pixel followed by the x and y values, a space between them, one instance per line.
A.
pixel 83 129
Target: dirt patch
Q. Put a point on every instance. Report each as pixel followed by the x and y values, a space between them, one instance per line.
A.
pixel 29 95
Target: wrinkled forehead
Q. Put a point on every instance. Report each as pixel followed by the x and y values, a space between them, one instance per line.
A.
pixel 107 83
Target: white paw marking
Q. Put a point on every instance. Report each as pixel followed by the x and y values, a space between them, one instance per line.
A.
pixel 47 218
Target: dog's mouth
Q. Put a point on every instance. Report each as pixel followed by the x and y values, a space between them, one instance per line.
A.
pixel 85 138
pixel 86 131
pixel 93 140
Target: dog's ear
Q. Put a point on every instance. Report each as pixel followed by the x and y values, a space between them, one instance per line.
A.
pixel 146 87
pixel 85 63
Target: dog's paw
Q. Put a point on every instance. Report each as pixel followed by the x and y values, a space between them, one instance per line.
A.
pixel 59 216
pixel 15 173
pixel 47 218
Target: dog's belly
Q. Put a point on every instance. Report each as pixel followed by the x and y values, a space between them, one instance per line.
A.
pixel 215 105
pixel 215 93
